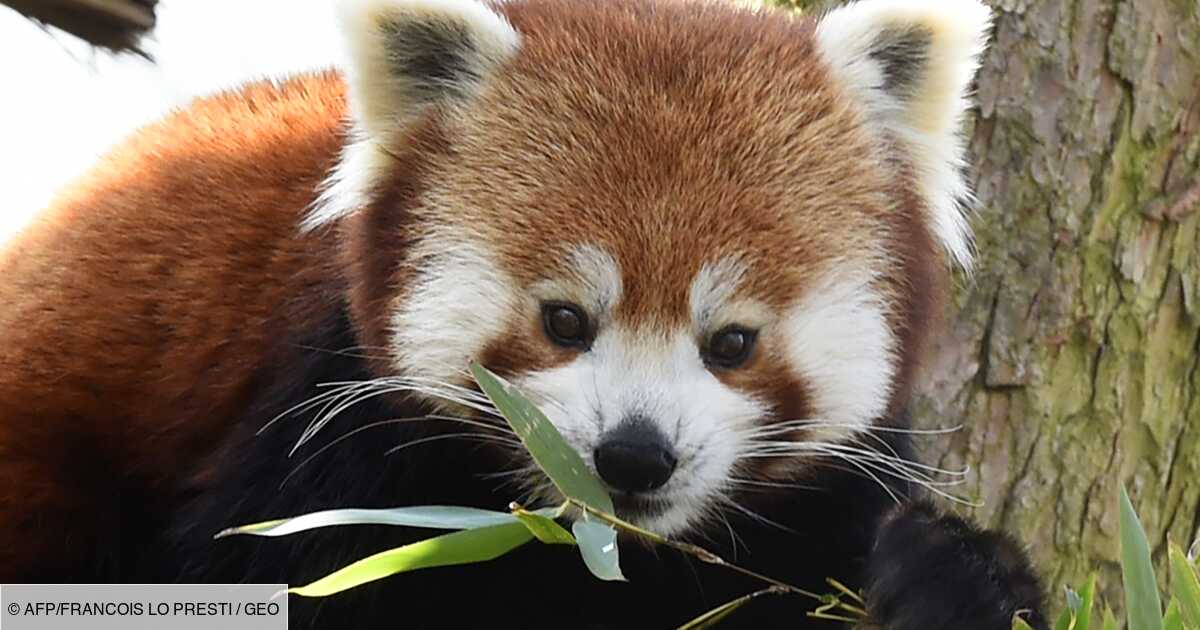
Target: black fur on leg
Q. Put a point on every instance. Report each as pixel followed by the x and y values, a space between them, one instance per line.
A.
pixel 931 571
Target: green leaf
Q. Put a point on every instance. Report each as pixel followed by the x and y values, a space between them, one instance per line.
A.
pixel 1172 620
pixel 598 546
pixel 1077 614
pixel 565 468
pixel 465 547
pixel 716 615
pixel 429 516
pixel 1019 624
pixel 1186 586
pixel 1066 620
pixel 544 529
pixel 1087 597
pixel 1143 606
pixel 1110 620
pixel 1073 599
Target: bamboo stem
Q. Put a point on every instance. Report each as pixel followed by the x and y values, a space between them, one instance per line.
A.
pixel 704 555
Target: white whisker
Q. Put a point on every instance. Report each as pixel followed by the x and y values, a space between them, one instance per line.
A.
pixel 866 461
pixel 353 394
pixel 306 404
pixel 776 449
pixel 491 439
pixel 788 426
pixel 771 484
pixel 728 501
pixel 380 423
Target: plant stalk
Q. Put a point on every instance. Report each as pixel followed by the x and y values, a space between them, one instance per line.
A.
pixel 709 557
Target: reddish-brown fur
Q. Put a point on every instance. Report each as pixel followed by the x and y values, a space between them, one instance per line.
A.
pixel 731 140
pixel 169 304
pixel 138 307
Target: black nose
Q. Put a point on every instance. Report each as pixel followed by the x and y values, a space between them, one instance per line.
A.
pixel 634 457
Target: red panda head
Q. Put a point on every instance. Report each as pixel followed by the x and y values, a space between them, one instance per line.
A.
pixel 708 240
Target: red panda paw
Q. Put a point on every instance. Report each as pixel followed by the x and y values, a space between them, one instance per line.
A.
pixel 931 571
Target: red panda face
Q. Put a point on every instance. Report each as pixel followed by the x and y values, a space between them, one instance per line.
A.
pixel 704 240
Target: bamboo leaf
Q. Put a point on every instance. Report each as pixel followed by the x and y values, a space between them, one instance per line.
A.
pixel 1143 606
pixel 1110 620
pixel 464 547
pixel 544 528
pixel 598 546
pixel 1020 624
pixel 716 615
pixel 1069 617
pixel 1066 620
pixel 550 451
pixel 1172 620
pixel 1087 598
pixel 831 610
pixel 429 516
pixel 1186 587
pixel 1073 599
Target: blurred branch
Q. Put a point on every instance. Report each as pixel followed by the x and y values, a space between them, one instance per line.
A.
pixel 803 6
pixel 117 25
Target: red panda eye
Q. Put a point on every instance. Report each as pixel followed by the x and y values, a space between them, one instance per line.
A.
pixel 565 324
pixel 730 347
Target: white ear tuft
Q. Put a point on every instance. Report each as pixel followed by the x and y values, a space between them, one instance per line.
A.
pixel 910 63
pixel 403 56
pixel 409 53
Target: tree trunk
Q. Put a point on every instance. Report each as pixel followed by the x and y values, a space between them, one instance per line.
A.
pixel 1072 356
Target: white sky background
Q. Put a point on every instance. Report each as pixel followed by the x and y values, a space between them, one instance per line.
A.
pixel 62 105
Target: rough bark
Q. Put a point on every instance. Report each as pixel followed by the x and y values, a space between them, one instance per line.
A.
pixel 1072 355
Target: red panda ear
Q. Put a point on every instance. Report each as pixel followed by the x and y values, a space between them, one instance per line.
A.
pixel 910 64
pixel 404 55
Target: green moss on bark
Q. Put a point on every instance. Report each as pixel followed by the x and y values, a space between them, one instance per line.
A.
pixel 1073 361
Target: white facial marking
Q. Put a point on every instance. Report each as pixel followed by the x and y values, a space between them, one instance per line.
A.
pixel 458 302
pixel 594 281
pixel 660 378
pixel 837 337
pixel 665 381
pixel 348 186
pixel 839 340
pixel 712 301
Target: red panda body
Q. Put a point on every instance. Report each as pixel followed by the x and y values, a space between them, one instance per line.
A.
pixel 140 308
pixel 708 241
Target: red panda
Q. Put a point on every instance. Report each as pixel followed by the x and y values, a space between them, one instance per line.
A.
pixel 710 241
